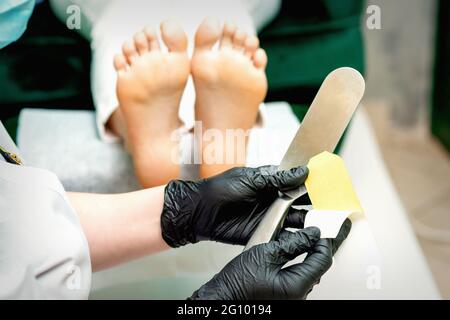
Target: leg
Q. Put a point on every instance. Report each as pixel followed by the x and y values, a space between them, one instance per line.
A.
pixel 150 84
pixel 230 85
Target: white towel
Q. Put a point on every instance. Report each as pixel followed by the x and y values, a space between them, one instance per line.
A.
pixel 67 143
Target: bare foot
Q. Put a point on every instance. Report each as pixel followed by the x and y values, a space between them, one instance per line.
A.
pixel 230 84
pixel 149 88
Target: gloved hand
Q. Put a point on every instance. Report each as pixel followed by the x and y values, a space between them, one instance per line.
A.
pixel 227 207
pixel 257 273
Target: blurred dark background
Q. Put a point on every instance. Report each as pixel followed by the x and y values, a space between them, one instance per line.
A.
pixel 48 67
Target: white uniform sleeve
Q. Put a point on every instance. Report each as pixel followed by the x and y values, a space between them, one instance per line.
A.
pixel 43 251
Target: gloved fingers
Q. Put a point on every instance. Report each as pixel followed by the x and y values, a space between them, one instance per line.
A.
pixel 342 235
pixel 295 219
pixel 292 244
pixel 289 179
pixel 316 263
pixel 281 180
pixel 304 200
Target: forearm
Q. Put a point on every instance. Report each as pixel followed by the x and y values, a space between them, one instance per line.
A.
pixel 120 227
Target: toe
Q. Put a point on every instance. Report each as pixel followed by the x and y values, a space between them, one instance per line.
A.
pixel 141 43
pixel 260 59
pixel 251 44
pixel 207 34
pixel 239 39
pixel 229 29
pixel 173 36
pixel 129 51
pixel 152 38
pixel 120 63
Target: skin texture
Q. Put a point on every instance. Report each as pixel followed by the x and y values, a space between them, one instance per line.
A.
pixel 150 84
pixel 230 84
pixel 120 227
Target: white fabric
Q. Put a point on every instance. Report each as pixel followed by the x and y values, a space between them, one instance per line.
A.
pixel 43 251
pixel 90 165
pixel 108 24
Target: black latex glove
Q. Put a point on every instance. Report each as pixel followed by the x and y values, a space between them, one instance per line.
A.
pixel 257 273
pixel 225 208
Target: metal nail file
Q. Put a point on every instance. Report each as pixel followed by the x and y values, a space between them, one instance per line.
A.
pixel 321 129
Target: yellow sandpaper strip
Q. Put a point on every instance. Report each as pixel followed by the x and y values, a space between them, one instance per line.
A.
pixel 332 195
pixel 329 185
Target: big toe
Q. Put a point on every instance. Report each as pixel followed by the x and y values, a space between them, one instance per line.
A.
pixel 207 34
pixel 173 36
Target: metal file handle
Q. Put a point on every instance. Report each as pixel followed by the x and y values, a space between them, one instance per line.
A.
pixel 271 223
pixel 321 129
